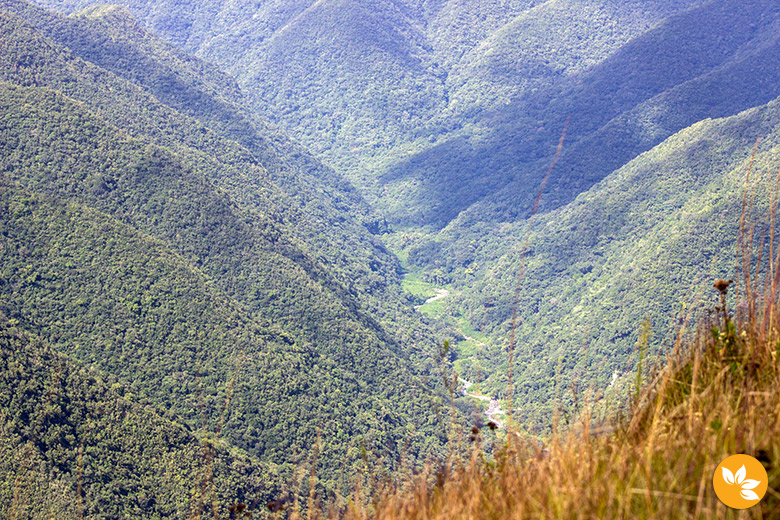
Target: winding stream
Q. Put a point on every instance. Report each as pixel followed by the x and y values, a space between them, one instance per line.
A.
pixel 440 293
pixel 494 408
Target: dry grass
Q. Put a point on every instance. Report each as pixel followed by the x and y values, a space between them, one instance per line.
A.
pixel 717 398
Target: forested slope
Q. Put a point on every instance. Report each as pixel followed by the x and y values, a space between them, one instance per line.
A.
pixel 447 117
pixel 645 243
pixel 367 84
pixel 711 61
pixel 73 447
pixel 260 169
pixel 161 250
pixel 483 92
pixel 111 296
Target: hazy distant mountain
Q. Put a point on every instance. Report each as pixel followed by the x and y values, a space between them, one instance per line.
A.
pixel 367 83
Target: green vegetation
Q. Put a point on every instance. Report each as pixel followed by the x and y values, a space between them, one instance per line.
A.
pixel 446 114
pixel 196 260
pixel 642 244
pixel 716 396
pixel 384 89
pixel 413 284
pixel 228 145
pixel 74 447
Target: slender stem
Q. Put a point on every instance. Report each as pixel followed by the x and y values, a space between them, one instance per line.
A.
pixel 521 271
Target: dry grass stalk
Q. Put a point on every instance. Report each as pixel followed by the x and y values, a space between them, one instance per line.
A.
pixel 521 273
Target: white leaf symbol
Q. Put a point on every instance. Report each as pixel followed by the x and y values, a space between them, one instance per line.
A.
pixel 750 484
pixel 728 476
pixel 748 494
pixel 740 475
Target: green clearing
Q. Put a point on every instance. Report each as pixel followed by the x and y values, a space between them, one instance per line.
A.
pixel 413 283
pixel 436 309
pixel 471 346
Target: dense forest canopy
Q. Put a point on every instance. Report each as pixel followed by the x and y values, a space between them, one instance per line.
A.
pixel 445 115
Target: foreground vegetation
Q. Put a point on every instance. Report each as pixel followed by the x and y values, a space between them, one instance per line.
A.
pixel 716 396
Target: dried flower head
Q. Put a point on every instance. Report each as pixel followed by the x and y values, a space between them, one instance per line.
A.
pixel 722 285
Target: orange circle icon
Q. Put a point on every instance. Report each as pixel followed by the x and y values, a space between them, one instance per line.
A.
pixel 740 481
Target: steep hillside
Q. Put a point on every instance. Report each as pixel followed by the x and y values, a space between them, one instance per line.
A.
pixel 227 142
pixel 453 111
pixel 714 396
pixel 659 82
pixel 125 304
pixel 73 447
pixel 537 47
pixel 160 250
pixel 643 243
pixel 293 54
pixel 448 114
pixel 368 84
